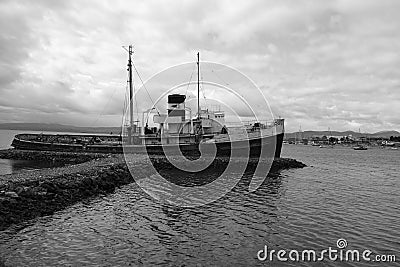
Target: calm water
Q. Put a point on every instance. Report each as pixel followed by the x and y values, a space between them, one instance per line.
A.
pixel 6 137
pixel 342 194
pixel 8 166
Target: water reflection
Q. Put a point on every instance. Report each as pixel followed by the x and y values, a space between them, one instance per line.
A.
pixel 9 166
pixel 299 209
pixel 129 227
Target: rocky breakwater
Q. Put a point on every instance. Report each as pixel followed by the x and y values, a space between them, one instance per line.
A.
pixel 27 195
pixel 50 156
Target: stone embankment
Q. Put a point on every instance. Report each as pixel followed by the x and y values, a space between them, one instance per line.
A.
pixel 49 156
pixel 27 195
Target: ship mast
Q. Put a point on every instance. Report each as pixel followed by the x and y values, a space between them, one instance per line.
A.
pixel 130 51
pixel 198 85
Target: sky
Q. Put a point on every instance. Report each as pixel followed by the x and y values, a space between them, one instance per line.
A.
pixel 320 64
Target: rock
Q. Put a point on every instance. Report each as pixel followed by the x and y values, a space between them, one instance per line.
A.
pixel 19 190
pixel 27 192
pixel 49 187
pixel 11 194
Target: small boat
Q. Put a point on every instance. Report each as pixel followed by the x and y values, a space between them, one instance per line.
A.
pixel 177 132
pixel 360 147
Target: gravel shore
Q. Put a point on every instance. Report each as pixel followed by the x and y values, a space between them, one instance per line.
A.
pixel 27 195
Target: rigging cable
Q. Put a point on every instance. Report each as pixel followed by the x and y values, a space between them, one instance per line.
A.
pixel 220 78
pixel 136 104
pixel 134 66
pixel 104 108
pixel 191 75
pixel 125 106
pixel 203 90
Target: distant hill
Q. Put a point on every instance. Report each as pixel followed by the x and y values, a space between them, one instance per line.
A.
pixel 308 134
pixel 52 127
pixel 386 134
pixel 49 127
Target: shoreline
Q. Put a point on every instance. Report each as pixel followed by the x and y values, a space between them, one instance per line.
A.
pixel 50 156
pixel 27 195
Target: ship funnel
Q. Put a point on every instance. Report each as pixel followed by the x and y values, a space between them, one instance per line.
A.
pixel 176 106
pixel 176 99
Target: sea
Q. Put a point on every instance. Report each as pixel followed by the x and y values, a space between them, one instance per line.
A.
pixel 344 200
pixel 8 166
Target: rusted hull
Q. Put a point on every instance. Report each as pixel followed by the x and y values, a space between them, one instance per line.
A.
pixel 266 147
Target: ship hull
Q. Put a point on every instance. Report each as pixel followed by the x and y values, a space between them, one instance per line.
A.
pixel 269 146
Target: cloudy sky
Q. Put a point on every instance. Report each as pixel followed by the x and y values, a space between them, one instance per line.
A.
pixel 319 63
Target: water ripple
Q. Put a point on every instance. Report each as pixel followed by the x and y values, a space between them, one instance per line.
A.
pixel 346 194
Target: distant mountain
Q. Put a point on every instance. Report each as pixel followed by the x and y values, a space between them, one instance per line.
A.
pixel 386 134
pixel 308 134
pixel 50 127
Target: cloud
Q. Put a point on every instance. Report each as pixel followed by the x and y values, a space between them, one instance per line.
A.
pixel 320 64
